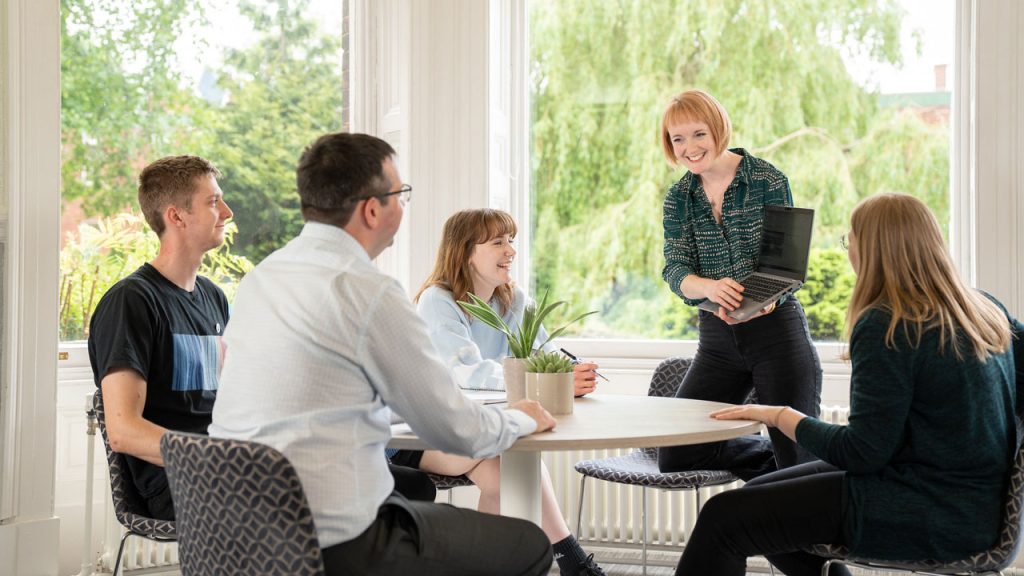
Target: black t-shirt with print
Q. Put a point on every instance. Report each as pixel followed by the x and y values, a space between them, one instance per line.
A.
pixel 172 338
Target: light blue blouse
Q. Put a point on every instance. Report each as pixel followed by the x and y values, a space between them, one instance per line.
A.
pixel 470 348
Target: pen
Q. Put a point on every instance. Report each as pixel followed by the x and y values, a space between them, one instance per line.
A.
pixel 576 360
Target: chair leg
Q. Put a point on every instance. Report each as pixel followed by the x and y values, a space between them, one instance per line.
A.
pixel 120 551
pixel 643 517
pixel 579 509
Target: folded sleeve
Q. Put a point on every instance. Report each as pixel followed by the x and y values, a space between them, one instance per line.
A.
pixel 418 386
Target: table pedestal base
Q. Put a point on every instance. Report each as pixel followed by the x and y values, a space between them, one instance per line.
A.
pixel 520 485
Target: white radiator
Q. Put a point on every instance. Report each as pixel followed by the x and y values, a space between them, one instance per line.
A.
pixel 612 512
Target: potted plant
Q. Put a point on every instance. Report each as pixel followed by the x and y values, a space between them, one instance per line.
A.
pixel 521 339
pixel 549 381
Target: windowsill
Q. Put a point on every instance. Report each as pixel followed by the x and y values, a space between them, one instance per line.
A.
pixel 614 353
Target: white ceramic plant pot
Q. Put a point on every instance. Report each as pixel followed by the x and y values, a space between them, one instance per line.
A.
pixel 513 370
pixel 553 391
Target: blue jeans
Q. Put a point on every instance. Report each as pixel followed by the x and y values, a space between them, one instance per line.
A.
pixel 773 356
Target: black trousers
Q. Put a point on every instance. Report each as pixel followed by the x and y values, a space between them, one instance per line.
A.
pixel 776 515
pixel 772 355
pixel 436 539
pixel 413 484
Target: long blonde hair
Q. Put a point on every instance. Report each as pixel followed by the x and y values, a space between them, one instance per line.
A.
pixel 462 232
pixel 904 268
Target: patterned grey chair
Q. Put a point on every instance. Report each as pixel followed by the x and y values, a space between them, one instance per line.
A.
pixel 449 482
pixel 991 561
pixel 640 467
pixel 240 509
pixel 129 507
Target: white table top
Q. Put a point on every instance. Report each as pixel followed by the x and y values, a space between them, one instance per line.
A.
pixel 615 421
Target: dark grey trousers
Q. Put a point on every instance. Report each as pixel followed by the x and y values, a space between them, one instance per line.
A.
pixel 428 539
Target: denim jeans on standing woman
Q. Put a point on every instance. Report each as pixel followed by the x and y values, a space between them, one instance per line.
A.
pixel 772 355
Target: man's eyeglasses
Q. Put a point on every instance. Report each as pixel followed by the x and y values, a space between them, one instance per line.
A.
pixel 844 241
pixel 404 195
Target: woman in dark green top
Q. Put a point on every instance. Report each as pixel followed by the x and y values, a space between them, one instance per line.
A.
pixel 920 471
pixel 713 219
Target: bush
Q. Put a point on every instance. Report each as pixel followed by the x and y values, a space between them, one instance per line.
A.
pixel 100 254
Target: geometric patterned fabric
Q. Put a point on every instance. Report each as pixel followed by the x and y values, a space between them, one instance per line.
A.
pixel 129 507
pixel 449 482
pixel 640 467
pixel 991 561
pixel 240 509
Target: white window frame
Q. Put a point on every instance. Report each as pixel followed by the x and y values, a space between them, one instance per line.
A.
pixel 985 179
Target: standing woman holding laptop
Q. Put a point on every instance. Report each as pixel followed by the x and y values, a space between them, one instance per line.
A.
pixel 713 217
pixel 476 255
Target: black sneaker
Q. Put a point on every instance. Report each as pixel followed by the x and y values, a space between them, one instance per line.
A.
pixel 587 568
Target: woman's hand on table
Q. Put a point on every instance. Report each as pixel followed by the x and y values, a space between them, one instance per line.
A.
pixel 784 418
pixel 545 421
pixel 584 377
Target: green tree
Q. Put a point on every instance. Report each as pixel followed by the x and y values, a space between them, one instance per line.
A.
pixel 123 103
pixel 283 91
pixel 825 294
pixel 601 75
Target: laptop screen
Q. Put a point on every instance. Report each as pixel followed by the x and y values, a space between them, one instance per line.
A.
pixel 786 240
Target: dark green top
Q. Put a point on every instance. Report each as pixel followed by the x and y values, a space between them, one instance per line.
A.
pixel 928 447
pixel 696 244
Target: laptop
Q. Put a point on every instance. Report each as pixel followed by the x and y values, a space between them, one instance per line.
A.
pixel 781 263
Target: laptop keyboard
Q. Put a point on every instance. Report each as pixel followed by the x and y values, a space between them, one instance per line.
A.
pixel 758 288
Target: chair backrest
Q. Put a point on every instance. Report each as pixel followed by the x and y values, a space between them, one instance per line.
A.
pixel 668 376
pixel 240 508
pixel 1006 548
pixel 129 507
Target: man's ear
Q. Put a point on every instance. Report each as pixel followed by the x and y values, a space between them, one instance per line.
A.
pixel 173 217
pixel 370 212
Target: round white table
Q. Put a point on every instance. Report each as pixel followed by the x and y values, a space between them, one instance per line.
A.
pixel 599 421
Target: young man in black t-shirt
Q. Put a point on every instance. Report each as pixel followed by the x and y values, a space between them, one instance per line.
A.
pixel 155 338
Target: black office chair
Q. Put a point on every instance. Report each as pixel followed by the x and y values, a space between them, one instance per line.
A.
pixel 449 482
pixel 240 507
pixel 129 507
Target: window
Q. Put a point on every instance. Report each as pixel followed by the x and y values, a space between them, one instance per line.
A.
pixel 245 84
pixel 847 102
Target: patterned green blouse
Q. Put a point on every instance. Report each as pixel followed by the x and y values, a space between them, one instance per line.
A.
pixel 696 244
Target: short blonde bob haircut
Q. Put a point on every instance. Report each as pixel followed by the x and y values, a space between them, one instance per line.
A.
pixel 462 232
pixel 903 267
pixel 695 106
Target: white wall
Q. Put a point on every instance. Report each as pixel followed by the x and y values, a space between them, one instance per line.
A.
pixel 31 173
